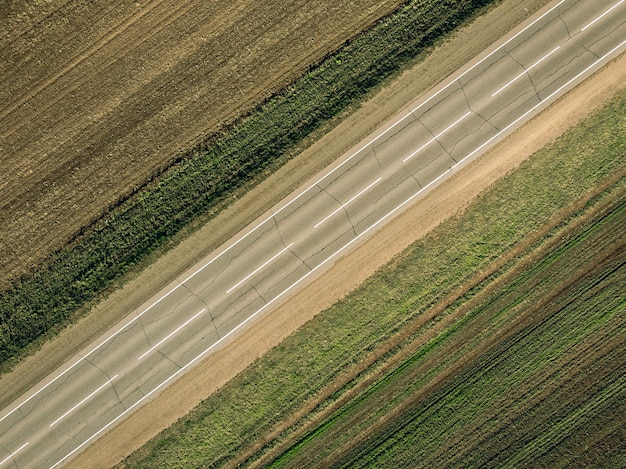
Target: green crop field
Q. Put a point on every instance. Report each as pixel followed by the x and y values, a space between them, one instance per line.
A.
pixel 203 182
pixel 526 366
pixel 497 340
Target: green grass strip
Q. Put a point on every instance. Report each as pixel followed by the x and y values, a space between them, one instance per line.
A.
pixel 285 377
pixel 483 392
pixel 36 306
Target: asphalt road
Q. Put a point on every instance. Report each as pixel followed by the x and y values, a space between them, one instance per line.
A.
pixel 300 238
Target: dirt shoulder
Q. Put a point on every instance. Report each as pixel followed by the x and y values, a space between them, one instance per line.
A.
pixel 453 54
pixel 350 271
pixel 347 273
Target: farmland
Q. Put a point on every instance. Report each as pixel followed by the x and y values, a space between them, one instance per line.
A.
pixel 103 249
pixel 511 354
pixel 98 99
pixel 513 376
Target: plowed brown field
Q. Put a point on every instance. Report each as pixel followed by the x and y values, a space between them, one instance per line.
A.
pixel 97 97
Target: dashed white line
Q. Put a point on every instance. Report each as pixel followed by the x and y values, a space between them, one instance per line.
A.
pixel 550 96
pixel 309 273
pixel 82 402
pixel 436 137
pixel 258 268
pixel 348 202
pixel 172 333
pixel 357 152
pixel 527 70
pixel 80 360
pixel 10 456
pixel 603 14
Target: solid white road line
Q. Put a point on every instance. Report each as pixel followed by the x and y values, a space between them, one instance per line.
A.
pixel 172 333
pixel 258 268
pixel 603 14
pixel 436 137
pixel 82 402
pixel 305 276
pixel 357 152
pixel 527 70
pixel 379 136
pixel 349 201
pixel 10 456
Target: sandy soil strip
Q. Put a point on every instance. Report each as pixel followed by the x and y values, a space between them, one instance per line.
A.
pixel 389 101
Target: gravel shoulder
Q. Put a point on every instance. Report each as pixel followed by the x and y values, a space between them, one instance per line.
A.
pixel 452 196
pixel 351 270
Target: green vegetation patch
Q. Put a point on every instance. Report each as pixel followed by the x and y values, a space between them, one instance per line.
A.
pixel 243 412
pixel 547 354
pixel 37 306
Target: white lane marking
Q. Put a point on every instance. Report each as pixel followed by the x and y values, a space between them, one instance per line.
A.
pixel 10 456
pixel 527 70
pixel 436 137
pixel 349 201
pixel 82 402
pixel 603 14
pixel 382 134
pixel 81 359
pixel 450 83
pixel 258 268
pixel 172 333
pixel 539 104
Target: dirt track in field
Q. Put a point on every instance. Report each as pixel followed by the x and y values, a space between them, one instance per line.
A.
pixel 98 96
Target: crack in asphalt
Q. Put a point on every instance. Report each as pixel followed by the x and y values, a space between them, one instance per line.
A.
pixel 532 83
pixel 380 165
pixel 557 70
pixel 259 294
pixel 474 132
pixel 328 246
pixel 523 96
pixel 396 130
pixel 230 261
pixel 171 360
pixel 418 183
pixel 560 17
pixel 476 110
pixel 199 298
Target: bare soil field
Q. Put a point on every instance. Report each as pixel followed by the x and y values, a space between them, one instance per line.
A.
pixel 354 268
pixel 98 98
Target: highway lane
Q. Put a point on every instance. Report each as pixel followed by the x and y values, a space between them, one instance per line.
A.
pixel 301 237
